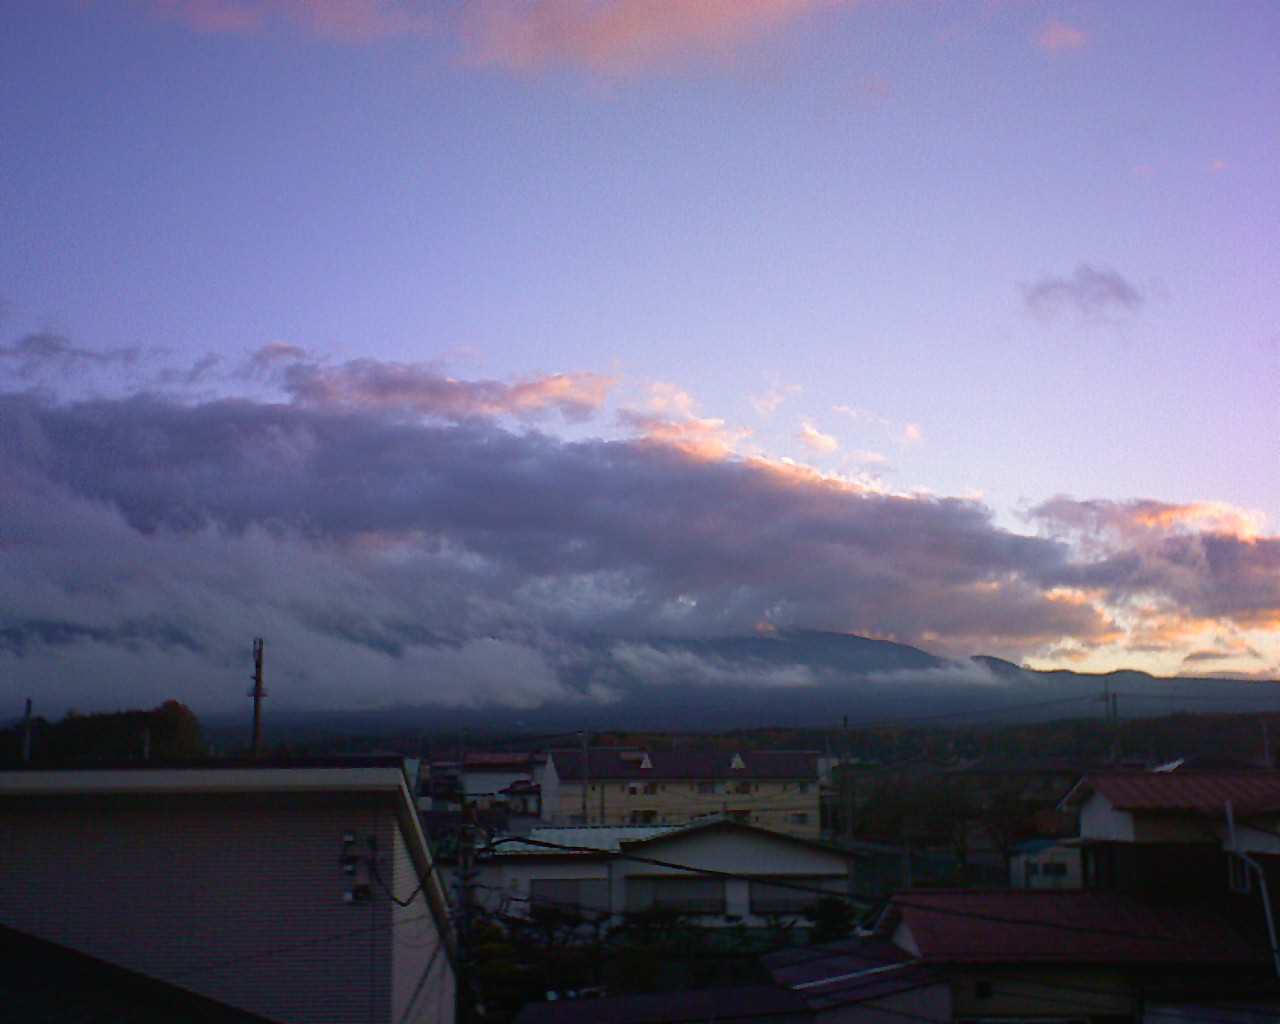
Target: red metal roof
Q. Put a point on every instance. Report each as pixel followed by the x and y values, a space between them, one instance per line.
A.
pixel 1250 792
pixel 1034 926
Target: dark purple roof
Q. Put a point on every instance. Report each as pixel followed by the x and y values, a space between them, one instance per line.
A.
pixel 688 765
pixel 1187 792
pixel 1040 926
pixel 846 972
pixel 743 1004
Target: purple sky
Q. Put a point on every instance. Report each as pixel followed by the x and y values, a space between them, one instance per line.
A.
pixel 424 336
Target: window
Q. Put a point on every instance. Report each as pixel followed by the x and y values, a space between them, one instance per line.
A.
pixel 643 817
pixel 804 787
pixel 1054 869
pixel 708 787
pixel 799 818
pixel 742 816
pixel 650 788
pixel 792 895
pixel 571 894
pixel 686 895
pixel 742 787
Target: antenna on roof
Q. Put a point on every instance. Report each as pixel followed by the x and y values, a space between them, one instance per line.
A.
pixel 257 693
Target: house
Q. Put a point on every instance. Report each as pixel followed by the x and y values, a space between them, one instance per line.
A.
pixel 776 790
pixel 295 892
pixel 1179 834
pixel 522 783
pixel 1093 956
pixel 717 872
pixel 1168 919
pixel 1046 864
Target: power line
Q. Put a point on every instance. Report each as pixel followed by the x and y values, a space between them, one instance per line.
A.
pixel 896 901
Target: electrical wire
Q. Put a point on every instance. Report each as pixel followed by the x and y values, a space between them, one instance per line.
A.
pixel 950 912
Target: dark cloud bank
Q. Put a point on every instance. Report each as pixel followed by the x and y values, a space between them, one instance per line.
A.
pixel 452 561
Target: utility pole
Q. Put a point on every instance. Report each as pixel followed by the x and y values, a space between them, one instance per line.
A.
pixel 846 782
pixel 586 774
pixel 1112 718
pixel 257 693
pixel 466 860
pixel 1115 725
pixel 26 734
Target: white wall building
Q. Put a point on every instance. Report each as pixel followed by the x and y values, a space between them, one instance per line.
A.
pixel 718 872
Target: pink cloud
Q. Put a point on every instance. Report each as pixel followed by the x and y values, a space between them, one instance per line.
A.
pixel 608 37
pixel 422 389
pixel 619 37
pixel 815 440
pixel 669 417
pixel 343 20
pixel 768 403
pixel 1058 36
pixel 1218 166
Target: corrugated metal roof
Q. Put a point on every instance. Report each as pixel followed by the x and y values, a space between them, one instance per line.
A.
pixel 800 766
pixel 604 838
pixel 1252 792
pixel 1034 926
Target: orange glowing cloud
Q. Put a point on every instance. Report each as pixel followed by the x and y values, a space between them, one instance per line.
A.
pixel 669 417
pixel 1207 516
pixel 815 440
pixel 621 37
pixel 421 389
pixel 1135 520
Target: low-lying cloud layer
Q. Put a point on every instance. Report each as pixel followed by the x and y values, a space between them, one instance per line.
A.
pixel 400 536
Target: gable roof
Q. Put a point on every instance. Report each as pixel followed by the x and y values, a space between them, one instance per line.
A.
pixel 721 824
pixel 687 765
pixel 620 840
pixel 1012 926
pixel 1183 792
pixel 586 840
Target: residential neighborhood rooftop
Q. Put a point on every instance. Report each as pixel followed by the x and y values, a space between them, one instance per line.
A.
pixel 585 838
pixel 687 764
pixel 1083 926
pixel 1182 791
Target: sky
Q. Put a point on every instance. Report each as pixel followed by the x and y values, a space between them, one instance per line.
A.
pixel 426 338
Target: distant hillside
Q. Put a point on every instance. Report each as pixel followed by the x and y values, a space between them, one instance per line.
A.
pixel 786 678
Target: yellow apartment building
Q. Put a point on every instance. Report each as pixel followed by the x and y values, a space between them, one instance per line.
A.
pixel 777 790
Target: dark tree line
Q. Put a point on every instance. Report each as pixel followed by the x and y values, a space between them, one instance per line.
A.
pixel 170 732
